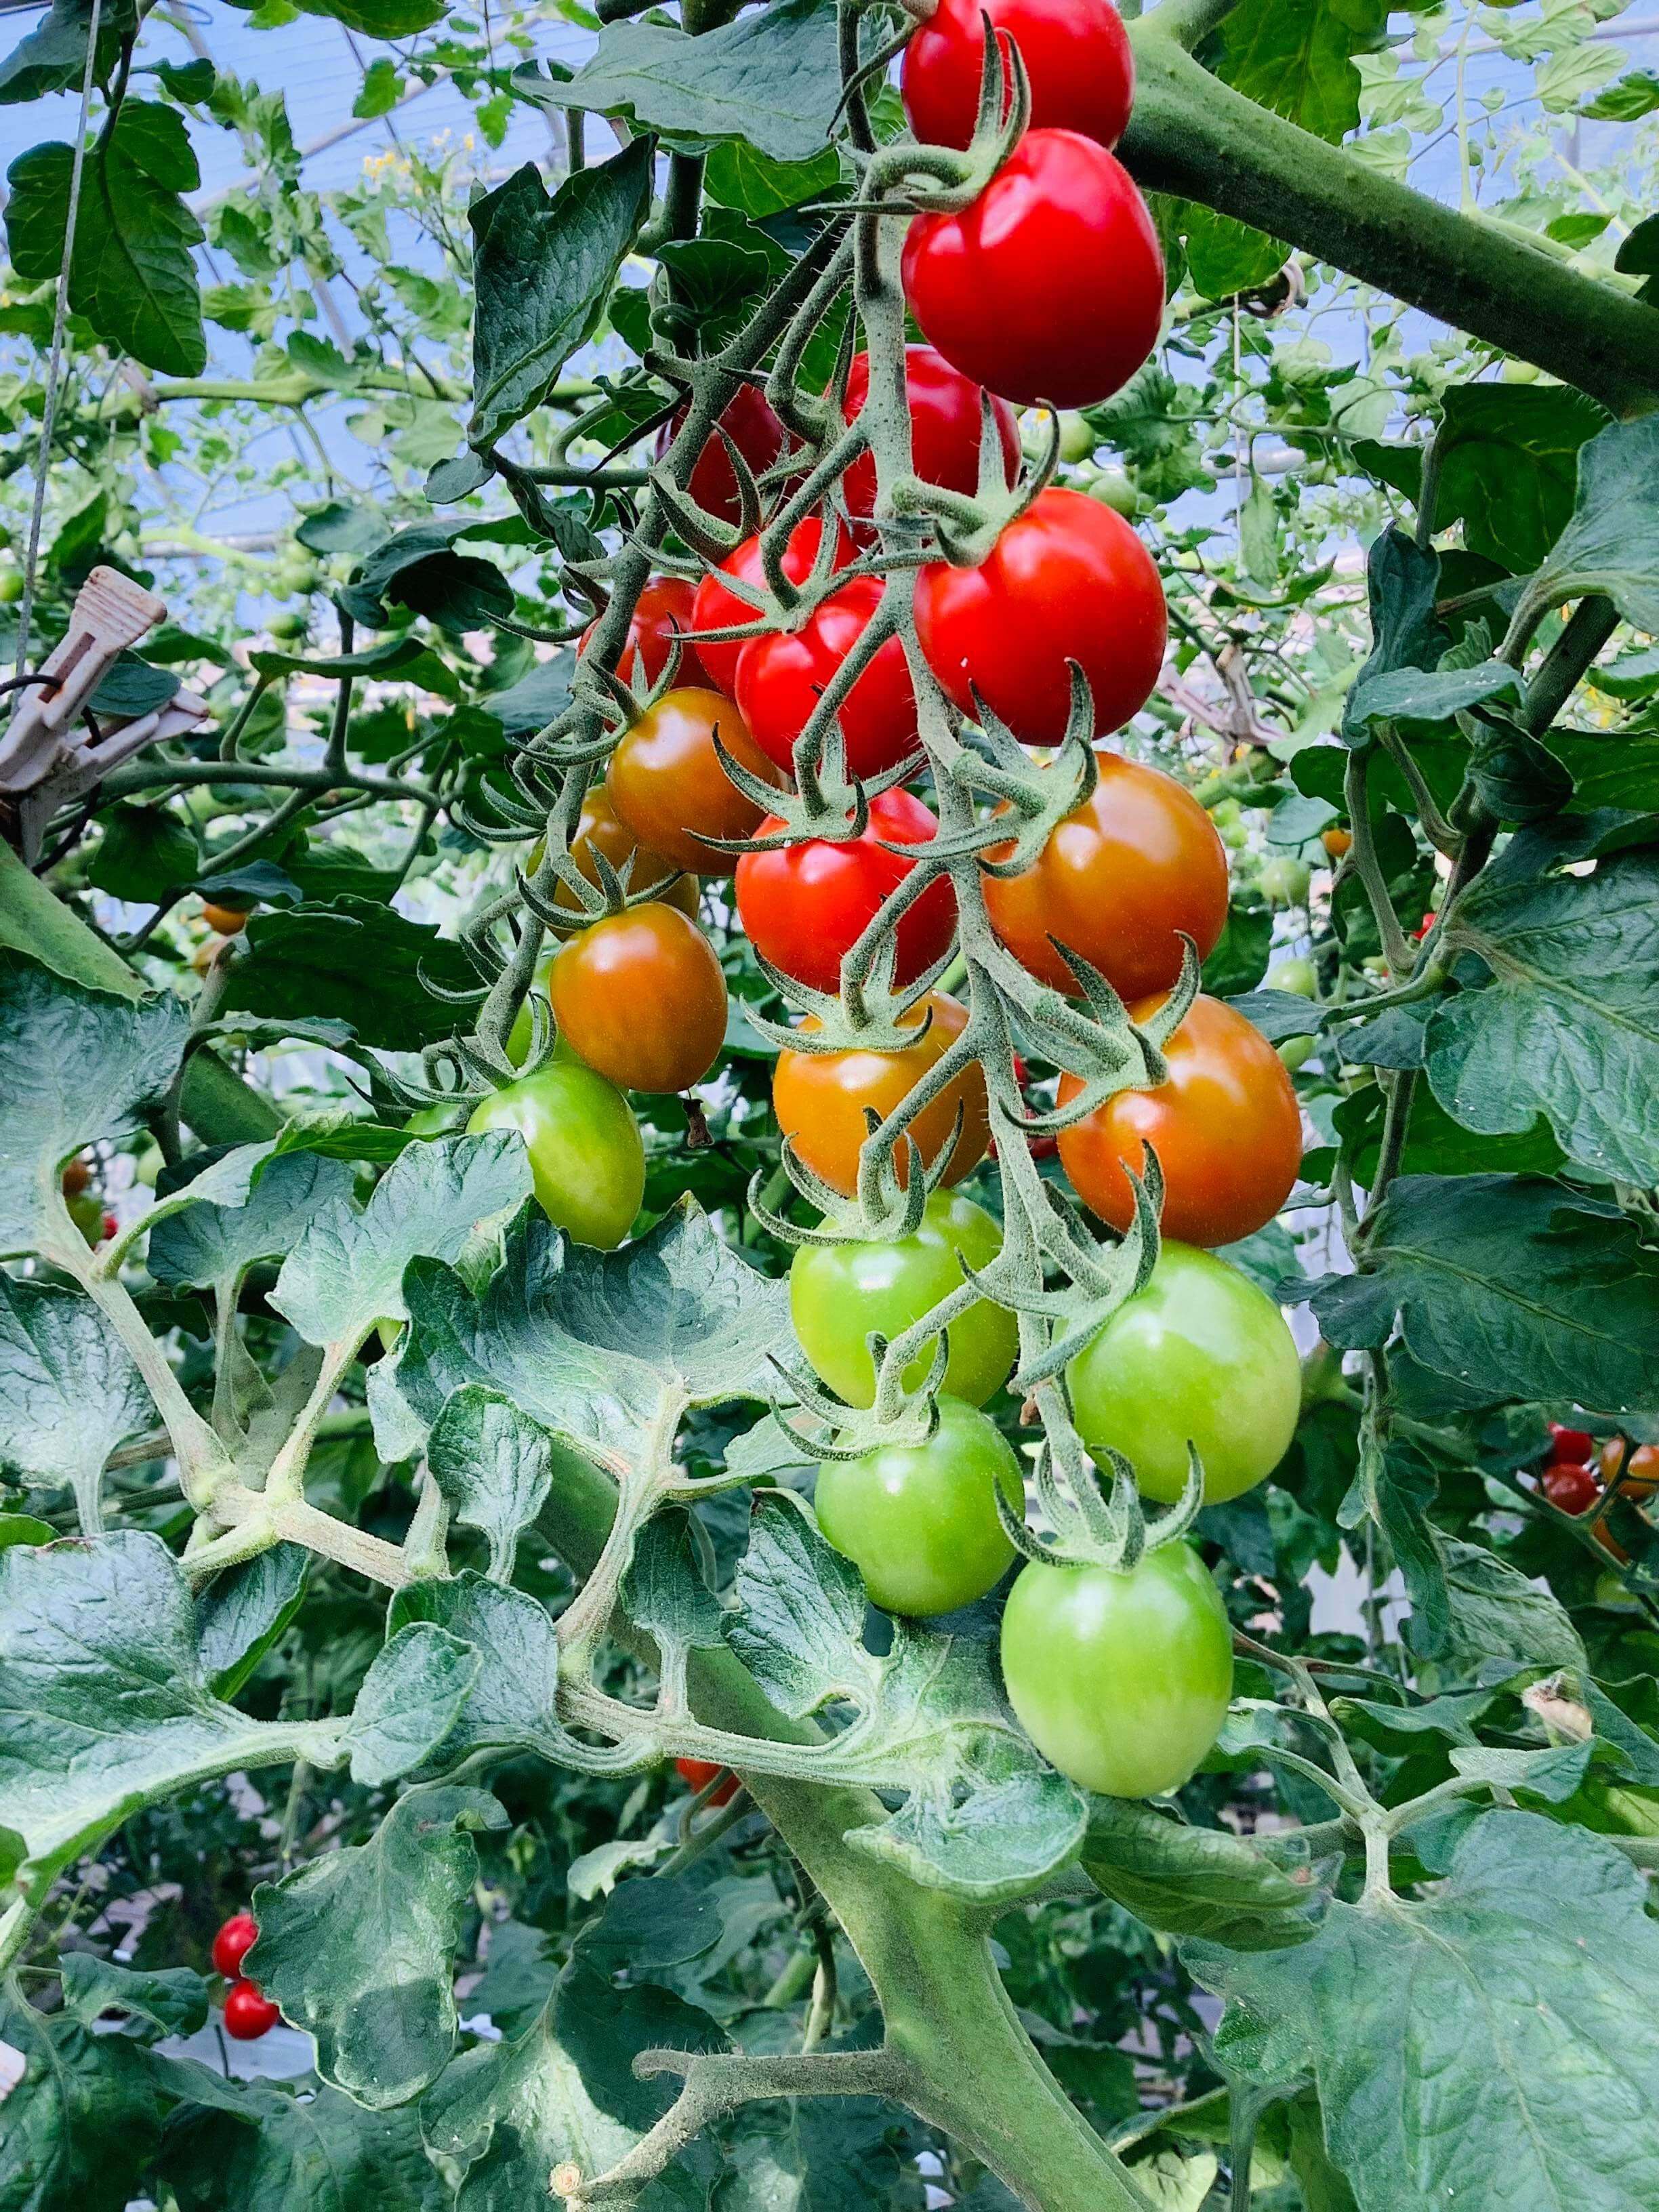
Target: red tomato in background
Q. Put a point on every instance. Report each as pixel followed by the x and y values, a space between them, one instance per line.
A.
pixel 944 428
pixel 1049 286
pixel 662 612
pixel 715 608
pixel 1225 1126
pixel 1069 580
pixel 1571 1489
pixel 233 1943
pixel 1077 58
pixel 1570 1447
pixel 248 2015
pixel 754 429
pixel 1139 861
pixel 781 679
pixel 698 1773
pixel 804 906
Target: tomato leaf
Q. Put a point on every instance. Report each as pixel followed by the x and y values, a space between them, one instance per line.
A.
pixel 53 56
pixel 249 2142
pixel 508 1707
pixel 353 960
pixel 82 2122
pixel 494 1467
pixel 1508 454
pixel 244 1609
pixel 355 1947
pixel 211 1245
pixel 171 2002
pixel 145 854
pixel 1611 542
pixel 1186 1881
pixel 69 1392
pixel 1517 1995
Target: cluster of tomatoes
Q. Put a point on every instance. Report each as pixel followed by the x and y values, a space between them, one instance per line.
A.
pixel 249 2014
pixel 1579 1475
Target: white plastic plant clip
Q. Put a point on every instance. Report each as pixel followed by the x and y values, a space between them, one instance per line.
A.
pixel 49 753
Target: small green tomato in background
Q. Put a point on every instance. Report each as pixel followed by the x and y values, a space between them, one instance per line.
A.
pixel 586 1157
pixel 1284 882
pixel 920 1522
pixel 1296 975
pixel 11 583
pixel 839 1293
pixel 1120 1680
pixel 1077 437
pixel 1200 1354
pixel 1295 1052
pixel 1113 488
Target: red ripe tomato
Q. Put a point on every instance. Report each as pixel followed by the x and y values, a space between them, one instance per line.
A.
pixel 1571 1489
pixel 662 612
pixel 1069 580
pixel 819 1099
pixel 640 997
pixel 781 677
pixel 1139 861
pixel 248 2015
pixel 804 906
pixel 756 433
pixel 667 784
pixel 1078 60
pixel 233 1943
pixel 718 609
pixel 698 1773
pixel 1570 1447
pixel 1225 1128
pixel 944 428
pixel 1049 287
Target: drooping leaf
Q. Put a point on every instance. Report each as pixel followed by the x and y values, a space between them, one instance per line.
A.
pixel 83 2123
pixel 53 56
pixel 1493 2046
pixel 1507 452
pixel 171 2002
pixel 1402 582
pixel 145 854
pixel 1197 1881
pixel 212 1246
pixel 494 1467
pixel 255 2143
pixel 1493 1612
pixel 355 961
pixel 1513 1286
pixel 1568 1026
pixel 244 1609
pixel 544 268
pixel 357 1947
pixel 509 1707
pixel 1611 542
pixel 69 1392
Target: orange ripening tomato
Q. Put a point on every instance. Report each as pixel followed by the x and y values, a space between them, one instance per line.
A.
pixel 819 1099
pixel 599 830
pixel 698 1773
pixel 640 996
pixel 228 921
pixel 668 788
pixel 1225 1128
pixel 1638 1476
pixel 1338 841
pixel 661 613
pixel 1137 863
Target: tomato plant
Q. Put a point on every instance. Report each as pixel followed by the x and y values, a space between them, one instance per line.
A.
pixel 668 787
pixel 822 1099
pixel 587 1161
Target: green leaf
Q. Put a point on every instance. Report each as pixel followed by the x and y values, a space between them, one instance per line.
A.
pixel 145 854
pixel 1296 56
pixel 985 1818
pixel 1611 543
pixel 378 19
pixel 1608 771
pixel 1516 1996
pixel 495 1468
pixel 53 56
pixel 1634 95
pixel 211 1247
pixel 739 176
pixel 250 2143
pixel 443 1201
pixel 1513 1286
pixel 357 1947
pixel 133 274
pixel 1568 1026
pixel 69 1393
pixel 130 687
pixel 771 79
pixel 544 270
pixel 1402 582
pixel 1238 960
pixel 1508 454
pixel 1495 1613
pixel 77 1067
pixel 81 2125
pixel 410 1703
pixel 419 568
pixel 1413 694
pixel 1196 1881
pixel 173 2002
pixel 597 1347
pixel 353 961
pixel 510 1706
pixel 244 1609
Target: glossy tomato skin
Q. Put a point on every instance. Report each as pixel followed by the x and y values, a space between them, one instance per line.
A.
pixel 1571 1489
pixel 715 607
pixel 944 426
pixel 781 679
pixel 839 1293
pixel 1225 1126
pixel 1078 59
pixel 819 1100
pixel 586 1157
pixel 1049 287
pixel 228 921
pixel 1122 1681
pixel 1069 580
pixel 1199 1355
pixel 248 2015
pixel 1572 1447
pixel 804 906
pixel 919 1523
pixel 668 787
pixel 233 1943
pixel 662 612
pixel 698 1773
pixel 1119 879
pixel 754 428
pixel 600 831
pixel 1636 1472
pixel 640 997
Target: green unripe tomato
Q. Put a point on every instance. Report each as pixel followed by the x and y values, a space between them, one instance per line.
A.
pixel 1295 1052
pixel 1122 1681
pixel 1226 811
pixel 288 623
pixel 1284 882
pixel 1077 437
pixel 86 1211
pixel 919 1523
pixel 1235 835
pixel 839 1293
pixel 1296 975
pixel 1113 488
pixel 11 583
pixel 586 1157
pixel 1200 1354
pixel 1518 371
